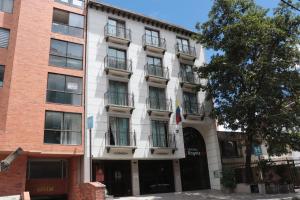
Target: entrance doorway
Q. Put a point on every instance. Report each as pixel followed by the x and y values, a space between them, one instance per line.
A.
pixel 117 176
pixel 194 168
pixel 156 176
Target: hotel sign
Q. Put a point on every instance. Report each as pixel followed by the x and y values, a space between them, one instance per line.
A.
pixel 193 152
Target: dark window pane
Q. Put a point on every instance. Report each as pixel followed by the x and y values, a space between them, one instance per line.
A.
pixel 57 61
pixel 46 169
pixel 57 97
pixel 72 122
pixel 58 48
pixel 73 99
pixel 54 120
pixel 56 82
pixel 60 17
pixel 52 137
pixel 4 37
pixel 229 149
pixel 74 51
pixel 1 75
pixel 73 63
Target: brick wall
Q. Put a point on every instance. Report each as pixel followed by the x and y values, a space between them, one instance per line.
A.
pixel 12 182
pixel 92 191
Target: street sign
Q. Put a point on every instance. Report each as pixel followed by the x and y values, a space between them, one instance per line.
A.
pixel 90 122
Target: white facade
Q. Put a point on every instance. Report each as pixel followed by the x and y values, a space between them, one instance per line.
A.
pixel 97 84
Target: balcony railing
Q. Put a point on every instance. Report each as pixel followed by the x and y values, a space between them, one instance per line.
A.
pixel 117 31
pixel 117 63
pixel 120 138
pixel 119 99
pixel 193 108
pixel 185 49
pixel 67 30
pixel 157 70
pixel 188 77
pixel 162 141
pixel 154 41
pixel 75 3
pixel 156 103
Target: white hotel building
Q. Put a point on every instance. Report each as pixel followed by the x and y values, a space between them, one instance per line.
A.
pixel 137 67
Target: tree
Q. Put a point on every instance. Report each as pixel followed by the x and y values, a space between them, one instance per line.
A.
pixel 252 78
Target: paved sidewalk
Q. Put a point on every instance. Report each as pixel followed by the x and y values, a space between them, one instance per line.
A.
pixel 210 195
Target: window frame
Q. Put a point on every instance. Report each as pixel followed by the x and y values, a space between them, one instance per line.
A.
pixel 65 89
pixel 62 128
pixel 2 68
pixel 8 40
pixel 66 57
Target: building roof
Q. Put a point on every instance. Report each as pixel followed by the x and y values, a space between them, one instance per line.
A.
pixel 139 17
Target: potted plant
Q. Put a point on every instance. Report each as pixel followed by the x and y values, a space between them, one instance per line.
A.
pixel 228 180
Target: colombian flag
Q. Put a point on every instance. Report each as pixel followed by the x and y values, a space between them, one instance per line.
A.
pixel 178 113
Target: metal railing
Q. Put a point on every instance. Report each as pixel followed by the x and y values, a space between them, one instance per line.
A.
pixel 185 49
pixel 67 30
pixel 163 141
pixel 119 138
pixel 154 41
pixel 193 108
pixel 156 103
pixel 188 77
pixel 117 31
pixel 119 98
pixel 157 70
pixel 117 63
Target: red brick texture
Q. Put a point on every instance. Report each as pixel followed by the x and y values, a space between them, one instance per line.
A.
pixel 92 191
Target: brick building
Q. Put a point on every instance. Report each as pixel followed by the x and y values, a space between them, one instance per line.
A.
pixel 41 96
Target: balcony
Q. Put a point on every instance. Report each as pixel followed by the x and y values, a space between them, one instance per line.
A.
pixel 119 142
pixel 119 102
pixel 159 107
pixel 163 144
pixel 193 111
pixel 157 74
pixel 118 67
pixel 185 52
pixel 154 44
pixel 188 80
pixel 67 30
pixel 117 34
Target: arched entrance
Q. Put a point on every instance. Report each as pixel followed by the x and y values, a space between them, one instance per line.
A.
pixel 194 168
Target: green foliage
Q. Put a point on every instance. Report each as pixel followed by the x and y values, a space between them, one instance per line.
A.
pixel 228 178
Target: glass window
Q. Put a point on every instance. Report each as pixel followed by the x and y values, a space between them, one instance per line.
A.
pixel 6 6
pixel 154 66
pixel 117 58
pixel 4 38
pixel 66 54
pixel 64 89
pixel 152 37
pixel 159 133
pixel 62 128
pixel 118 93
pixel 67 23
pixel 157 98
pixel 183 45
pixel 187 73
pixel 76 3
pixel 46 169
pixel 119 131
pixel 1 75
pixel 190 103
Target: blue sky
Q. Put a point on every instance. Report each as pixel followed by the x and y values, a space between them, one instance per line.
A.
pixel 185 13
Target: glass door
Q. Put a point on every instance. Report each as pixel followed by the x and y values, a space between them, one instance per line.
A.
pixel 157 98
pixel 155 66
pixel 159 133
pixel 190 102
pixel 119 128
pixel 183 45
pixel 117 58
pixel 152 37
pixel 187 73
pixel 118 93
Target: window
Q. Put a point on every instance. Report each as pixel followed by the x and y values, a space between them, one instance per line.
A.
pixel 117 58
pixel 75 3
pixel 229 149
pixel 190 103
pixel 159 133
pixel 183 45
pixel 64 89
pixel 152 37
pixel 62 128
pixel 67 23
pixel 47 169
pixel 6 6
pixel 157 98
pixel 1 75
pixel 154 66
pixel 4 38
pixel 66 54
pixel 119 130
pixel 118 94
pixel 116 28
pixel 187 74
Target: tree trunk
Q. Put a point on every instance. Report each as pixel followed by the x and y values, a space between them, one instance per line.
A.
pixel 248 170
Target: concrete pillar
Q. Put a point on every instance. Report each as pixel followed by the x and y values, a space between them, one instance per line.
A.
pixel 135 178
pixel 213 157
pixel 177 176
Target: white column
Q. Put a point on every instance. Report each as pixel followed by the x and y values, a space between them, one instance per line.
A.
pixel 177 176
pixel 135 178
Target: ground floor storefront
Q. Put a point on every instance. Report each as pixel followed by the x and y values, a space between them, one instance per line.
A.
pixel 45 177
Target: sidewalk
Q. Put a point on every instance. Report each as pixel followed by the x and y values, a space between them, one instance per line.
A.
pixel 210 195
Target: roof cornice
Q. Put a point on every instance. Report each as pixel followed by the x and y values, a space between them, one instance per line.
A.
pixel 139 17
